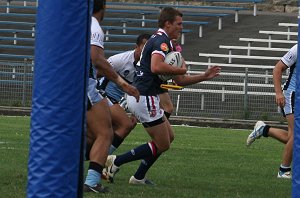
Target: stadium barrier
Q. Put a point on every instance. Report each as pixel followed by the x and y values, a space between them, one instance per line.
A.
pixel 230 48
pixel 255 2
pixel 270 33
pixel 268 41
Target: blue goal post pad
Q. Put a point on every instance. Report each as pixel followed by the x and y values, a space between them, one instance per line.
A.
pixel 296 149
pixel 59 98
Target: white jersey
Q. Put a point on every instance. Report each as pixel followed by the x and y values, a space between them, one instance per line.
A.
pixel 97 39
pixel 290 59
pixel 97 35
pixel 123 64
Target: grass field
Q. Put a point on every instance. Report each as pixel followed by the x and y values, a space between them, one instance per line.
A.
pixel 202 162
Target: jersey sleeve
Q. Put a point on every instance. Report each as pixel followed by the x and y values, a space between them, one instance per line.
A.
pixel 160 46
pixel 97 35
pixel 290 57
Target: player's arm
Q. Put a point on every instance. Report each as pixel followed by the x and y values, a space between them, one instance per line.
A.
pixel 158 66
pixel 105 69
pixel 211 72
pixel 278 70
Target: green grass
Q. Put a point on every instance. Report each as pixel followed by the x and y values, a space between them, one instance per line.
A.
pixel 202 162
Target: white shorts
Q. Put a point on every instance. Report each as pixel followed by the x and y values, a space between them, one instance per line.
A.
pixel 93 93
pixel 289 106
pixel 147 110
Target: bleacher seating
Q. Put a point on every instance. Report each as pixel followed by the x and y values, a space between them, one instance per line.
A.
pixel 254 2
pixel 224 87
pixel 268 41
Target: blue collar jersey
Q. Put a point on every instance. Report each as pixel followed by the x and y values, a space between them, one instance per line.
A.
pixel 145 81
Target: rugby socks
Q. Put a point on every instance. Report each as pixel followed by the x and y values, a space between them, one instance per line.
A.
pixel 284 169
pixel 117 141
pixel 167 114
pixel 266 130
pixel 140 152
pixel 94 174
pixel 144 167
pixel 112 149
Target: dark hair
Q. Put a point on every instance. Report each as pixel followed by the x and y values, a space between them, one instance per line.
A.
pixel 98 5
pixel 141 37
pixel 168 14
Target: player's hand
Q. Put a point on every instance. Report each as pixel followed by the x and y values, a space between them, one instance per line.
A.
pixel 212 72
pixel 280 99
pixel 132 91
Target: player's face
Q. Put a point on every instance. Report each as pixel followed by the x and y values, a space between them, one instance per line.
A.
pixel 175 28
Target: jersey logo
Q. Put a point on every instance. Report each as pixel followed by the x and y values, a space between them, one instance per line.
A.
pixel 164 47
pixel 139 73
pixel 126 72
pixel 152 112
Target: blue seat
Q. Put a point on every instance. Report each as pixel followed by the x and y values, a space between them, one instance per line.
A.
pixel 119 43
pixel 242 1
pixel 17 15
pixel 17 23
pixel 17 47
pixel 150 30
pixel 16 31
pixel 14 56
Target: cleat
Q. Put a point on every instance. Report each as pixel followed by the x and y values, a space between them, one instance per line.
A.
pixel 112 169
pixel 256 133
pixel 284 175
pixel 96 189
pixel 144 181
pixel 104 175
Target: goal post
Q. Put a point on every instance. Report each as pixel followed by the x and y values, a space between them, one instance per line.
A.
pixel 57 131
pixel 296 154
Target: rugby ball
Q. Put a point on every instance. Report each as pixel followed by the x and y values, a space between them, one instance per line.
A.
pixel 174 59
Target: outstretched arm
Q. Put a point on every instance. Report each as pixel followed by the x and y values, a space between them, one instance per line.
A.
pixel 184 80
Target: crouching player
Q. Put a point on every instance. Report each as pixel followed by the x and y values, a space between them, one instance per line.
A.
pixel 124 64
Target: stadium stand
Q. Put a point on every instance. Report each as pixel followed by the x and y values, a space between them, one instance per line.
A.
pixel 289 27
pixel 255 2
pixel 147 12
pixel 230 57
pixel 107 30
pixel 160 6
pixel 268 41
pixel 270 33
pixel 230 48
pixel 241 84
pixel 124 22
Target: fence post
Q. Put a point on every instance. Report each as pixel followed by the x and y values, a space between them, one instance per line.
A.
pixel 246 110
pixel 24 83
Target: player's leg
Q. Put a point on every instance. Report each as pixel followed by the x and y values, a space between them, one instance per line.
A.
pixel 265 130
pixel 99 133
pixel 285 167
pixel 166 103
pixel 279 134
pixel 122 123
pixel 147 110
pixel 140 175
pixel 288 109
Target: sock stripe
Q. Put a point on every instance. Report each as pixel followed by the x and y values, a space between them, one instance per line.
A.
pixel 153 148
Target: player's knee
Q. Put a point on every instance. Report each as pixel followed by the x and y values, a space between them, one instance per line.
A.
pixel 162 147
pixel 126 128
